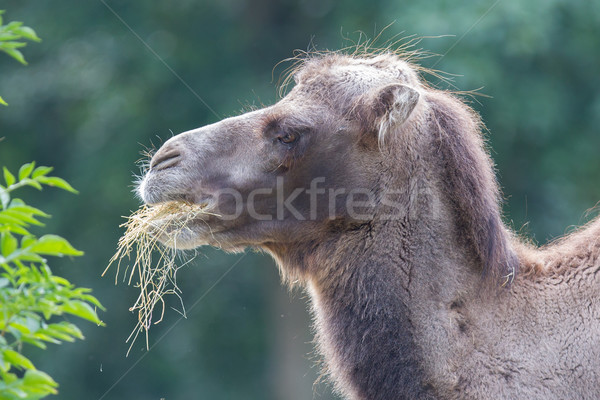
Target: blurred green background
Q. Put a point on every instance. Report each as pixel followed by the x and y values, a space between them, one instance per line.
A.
pixel 94 96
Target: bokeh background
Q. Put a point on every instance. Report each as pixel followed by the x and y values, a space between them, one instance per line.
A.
pixel 94 96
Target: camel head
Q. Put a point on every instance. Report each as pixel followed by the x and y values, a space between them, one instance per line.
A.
pixel 357 140
pixel 307 165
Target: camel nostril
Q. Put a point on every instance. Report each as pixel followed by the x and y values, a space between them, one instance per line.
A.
pixel 164 160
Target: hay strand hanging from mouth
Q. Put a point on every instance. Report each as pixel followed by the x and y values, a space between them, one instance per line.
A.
pixel 153 269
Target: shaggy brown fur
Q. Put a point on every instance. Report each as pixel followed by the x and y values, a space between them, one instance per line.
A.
pixel 418 289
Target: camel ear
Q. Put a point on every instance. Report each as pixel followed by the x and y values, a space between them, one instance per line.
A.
pixel 384 109
pixel 394 103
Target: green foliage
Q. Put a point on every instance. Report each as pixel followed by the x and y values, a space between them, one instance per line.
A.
pixel 31 297
pixel 11 40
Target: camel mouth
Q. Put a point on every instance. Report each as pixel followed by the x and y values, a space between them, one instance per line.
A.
pixel 174 224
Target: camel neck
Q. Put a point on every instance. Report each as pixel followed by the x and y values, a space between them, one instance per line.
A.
pixel 369 311
pixel 385 297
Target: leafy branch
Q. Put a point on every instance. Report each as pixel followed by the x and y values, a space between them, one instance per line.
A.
pixel 11 40
pixel 32 299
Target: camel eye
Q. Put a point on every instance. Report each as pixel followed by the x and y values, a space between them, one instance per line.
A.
pixel 288 137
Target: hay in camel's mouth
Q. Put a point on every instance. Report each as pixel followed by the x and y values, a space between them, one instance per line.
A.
pixel 151 265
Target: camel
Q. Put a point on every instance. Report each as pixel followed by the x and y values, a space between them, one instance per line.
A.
pixel 375 193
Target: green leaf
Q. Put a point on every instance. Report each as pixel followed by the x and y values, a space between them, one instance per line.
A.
pixel 27 33
pixel 21 328
pixel 23 208
pixel 28 240
pixel 4 103
pixel 67 328
pixel 26 170
pixel 91 299
pixel 45 337
pixel 59 280
pixel 33 183
pixel 10 377
pixel 41 381
pixel 18 230
pixel 50 307
pixel 16 54
pixel 16 202
pixel 53 245
pixel 4 366
pixel 57 182
pixel 8 244
pixel 31 257
pixel 8 177
pixel 5 218
pixel 41 171
pixel 34 342
pixel 17 359
pixel 12 44
pixel 82 310
pixel 57 334
pixel 24 217
pixel 7 36
pixel 16 392
pixel 13 25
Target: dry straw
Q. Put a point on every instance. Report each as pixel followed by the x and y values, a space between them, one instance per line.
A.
pixel 153 263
